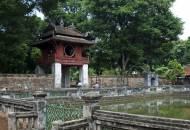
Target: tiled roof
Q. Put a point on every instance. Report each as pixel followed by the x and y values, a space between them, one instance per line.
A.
pixel 68 34
pixel 68 31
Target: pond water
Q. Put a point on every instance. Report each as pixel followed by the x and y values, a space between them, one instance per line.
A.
pixel 172 107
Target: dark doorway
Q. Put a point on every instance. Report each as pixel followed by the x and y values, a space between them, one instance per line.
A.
pixel 153 81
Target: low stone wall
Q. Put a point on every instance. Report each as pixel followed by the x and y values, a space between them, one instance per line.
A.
pixel 33 81
pixel 3 121
pixel 25 81
pixel 135 82
pixel 107 81
pixel 115 81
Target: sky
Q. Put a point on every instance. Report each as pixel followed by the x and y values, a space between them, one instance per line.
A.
pixel 181 9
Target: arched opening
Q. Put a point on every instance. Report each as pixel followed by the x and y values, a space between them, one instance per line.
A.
pixel 153 81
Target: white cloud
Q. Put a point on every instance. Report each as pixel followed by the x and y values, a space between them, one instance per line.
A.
pixel 181 9
pixel 39 14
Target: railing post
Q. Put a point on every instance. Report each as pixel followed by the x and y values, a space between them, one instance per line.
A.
pixel 116 92
pixel 40 101
pixel 91 100
pixel 12 121
pixel 55 124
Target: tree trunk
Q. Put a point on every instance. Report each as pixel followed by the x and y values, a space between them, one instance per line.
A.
pixel 125 60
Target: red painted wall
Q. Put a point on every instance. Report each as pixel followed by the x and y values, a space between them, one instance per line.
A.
pixel 58 56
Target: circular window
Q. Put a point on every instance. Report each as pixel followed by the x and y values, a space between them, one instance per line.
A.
pixel 69 50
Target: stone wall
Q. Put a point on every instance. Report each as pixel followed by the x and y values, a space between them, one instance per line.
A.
pixel 136 82
pixel 163 81
pixel 107 81
pixel 32 81
pixel 3 121
pixel 25 81
pixel 115 81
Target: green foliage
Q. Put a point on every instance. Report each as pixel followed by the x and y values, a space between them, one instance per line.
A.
pixel 133 31
pixel 161 70
pixel 35 53
pixel 180 51
pixel 18 30
pixel 111 72
pixel 128 32
pixel 173 70
pixel 91 72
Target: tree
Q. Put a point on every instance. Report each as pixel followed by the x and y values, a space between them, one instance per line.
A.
pixel 71 11
pixel 18 29
pixel 124 30
pixel 173 70
pixel 180 51
pixel 128 32
pixel 136 32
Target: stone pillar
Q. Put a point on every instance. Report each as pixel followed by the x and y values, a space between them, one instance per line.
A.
pixel 147 80
pixel 91 100
pixel 156 81
pixel 84 75
pixel 151 80
pixel 66 77
pixel 3 108
pixel 57 74
pixel 40 101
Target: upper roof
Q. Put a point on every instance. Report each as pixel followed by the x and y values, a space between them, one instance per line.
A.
pixel 60 33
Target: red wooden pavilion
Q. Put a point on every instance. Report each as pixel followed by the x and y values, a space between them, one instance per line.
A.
pixel 63 47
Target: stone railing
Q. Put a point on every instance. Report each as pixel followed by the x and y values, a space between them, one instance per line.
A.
pixel 95 119
pixel 107 119
pixel 106 92
pixel 66 92
pixel 24 115
pixel 81 124
pixel 22 121
pixel 115 93
pixel 30 115
pixel 16 105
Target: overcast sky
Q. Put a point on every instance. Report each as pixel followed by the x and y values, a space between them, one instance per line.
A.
pixel 181 9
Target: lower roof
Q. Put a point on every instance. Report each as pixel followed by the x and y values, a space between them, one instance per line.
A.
pixel 68 39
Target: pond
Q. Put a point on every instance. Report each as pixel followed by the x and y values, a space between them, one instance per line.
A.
pixel 171 107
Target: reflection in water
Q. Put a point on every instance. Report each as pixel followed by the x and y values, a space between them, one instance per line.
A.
pixel 168 107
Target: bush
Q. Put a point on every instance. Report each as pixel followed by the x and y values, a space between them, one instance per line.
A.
pixel 173 70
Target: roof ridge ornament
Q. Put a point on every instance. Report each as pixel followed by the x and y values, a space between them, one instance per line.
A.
pixel 51 26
